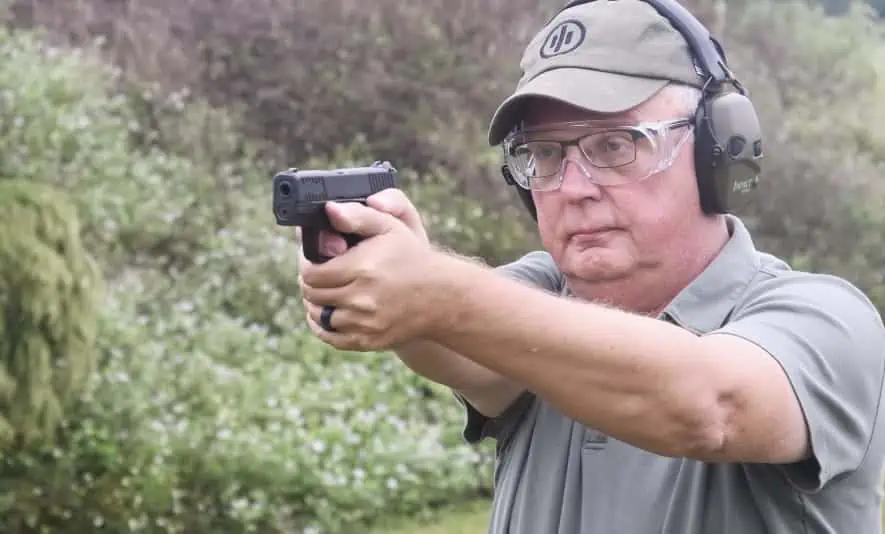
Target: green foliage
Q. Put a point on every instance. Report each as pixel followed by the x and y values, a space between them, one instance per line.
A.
pixel 213 409
pixel 69 128
pixel 415 85
pixel 815 81
pixel 198 425
pixel 469 518
pixel 49 292
pixel 837 7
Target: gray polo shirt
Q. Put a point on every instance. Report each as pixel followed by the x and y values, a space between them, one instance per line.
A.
pixel 556 476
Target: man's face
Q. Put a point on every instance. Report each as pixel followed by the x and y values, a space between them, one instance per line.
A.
pixel 607 233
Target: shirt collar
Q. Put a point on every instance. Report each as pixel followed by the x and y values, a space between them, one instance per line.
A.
pixel 705 304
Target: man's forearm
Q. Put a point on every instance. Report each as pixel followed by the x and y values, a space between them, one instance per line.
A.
pixel 488 391
pixel 636 378
pixel 440 364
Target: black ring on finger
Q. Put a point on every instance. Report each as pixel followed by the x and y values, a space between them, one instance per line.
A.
pixel 326 319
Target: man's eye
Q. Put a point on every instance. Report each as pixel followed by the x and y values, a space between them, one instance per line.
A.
pixel 614 143
pixel 544 151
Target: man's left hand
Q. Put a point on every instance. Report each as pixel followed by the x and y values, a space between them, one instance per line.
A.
pixel 383 290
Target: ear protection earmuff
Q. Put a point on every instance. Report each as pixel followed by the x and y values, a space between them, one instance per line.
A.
pixel 728 135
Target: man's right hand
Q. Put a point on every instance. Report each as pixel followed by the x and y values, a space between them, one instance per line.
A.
pixel 487 391
pixel 396 203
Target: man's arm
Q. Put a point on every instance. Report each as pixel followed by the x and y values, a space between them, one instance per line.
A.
pixel 647 382
pixel 487 391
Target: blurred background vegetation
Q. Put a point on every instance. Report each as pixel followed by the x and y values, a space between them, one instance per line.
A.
pixel 157 376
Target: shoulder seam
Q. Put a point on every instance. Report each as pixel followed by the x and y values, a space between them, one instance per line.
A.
pixel 876 421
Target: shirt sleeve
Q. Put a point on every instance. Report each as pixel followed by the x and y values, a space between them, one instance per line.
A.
pixel 538 270
pixel 829 340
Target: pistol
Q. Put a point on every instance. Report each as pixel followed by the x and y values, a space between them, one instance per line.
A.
pixel 300 196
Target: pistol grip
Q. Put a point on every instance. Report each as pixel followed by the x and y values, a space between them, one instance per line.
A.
pixel 310 238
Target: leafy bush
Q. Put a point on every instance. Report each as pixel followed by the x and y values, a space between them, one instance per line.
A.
pixel 815 81
pixel 49 288
pixel 415 85
pixel 212 409
pixel 197 424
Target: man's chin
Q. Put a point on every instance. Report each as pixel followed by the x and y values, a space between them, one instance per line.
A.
pixel 595 265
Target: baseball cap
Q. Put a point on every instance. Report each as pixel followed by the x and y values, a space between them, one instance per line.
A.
pixel 606 56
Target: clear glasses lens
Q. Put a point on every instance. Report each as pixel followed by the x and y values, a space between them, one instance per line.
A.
pixel 623 155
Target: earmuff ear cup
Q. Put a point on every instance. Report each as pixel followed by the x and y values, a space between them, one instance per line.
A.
pixel 705 149
pixel 728 151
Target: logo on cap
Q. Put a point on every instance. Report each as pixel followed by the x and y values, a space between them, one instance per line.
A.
pixel 563 38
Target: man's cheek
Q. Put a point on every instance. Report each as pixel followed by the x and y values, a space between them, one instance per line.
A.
pixel 551 236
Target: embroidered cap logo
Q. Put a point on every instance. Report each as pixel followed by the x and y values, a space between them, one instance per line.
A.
pixel 563 38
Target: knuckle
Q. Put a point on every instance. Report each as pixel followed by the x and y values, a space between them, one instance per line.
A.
pixel 366 303
pixel 376 325
pixel 367 270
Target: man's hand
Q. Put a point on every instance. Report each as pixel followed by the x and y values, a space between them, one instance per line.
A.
pixel 383 288
pixel 396 203
pixel 488 392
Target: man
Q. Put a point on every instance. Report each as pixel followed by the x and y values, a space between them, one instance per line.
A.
pixel 650 371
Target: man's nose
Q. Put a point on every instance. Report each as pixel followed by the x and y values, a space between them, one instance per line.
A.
pixel 577 178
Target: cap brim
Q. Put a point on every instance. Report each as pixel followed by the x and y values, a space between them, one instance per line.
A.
pixel 592 90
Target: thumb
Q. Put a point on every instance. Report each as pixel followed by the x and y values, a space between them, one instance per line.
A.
pixel 355 218
pixel 395 202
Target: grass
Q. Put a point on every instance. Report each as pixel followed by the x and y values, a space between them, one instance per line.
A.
pixel 471 518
